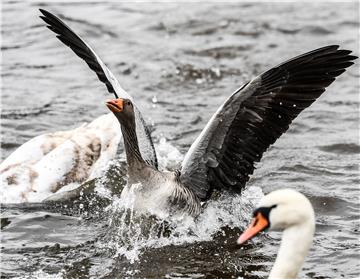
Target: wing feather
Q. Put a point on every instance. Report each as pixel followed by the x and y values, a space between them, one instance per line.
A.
pixel 254 117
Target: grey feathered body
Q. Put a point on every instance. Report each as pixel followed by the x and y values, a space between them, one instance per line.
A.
pixel 160 192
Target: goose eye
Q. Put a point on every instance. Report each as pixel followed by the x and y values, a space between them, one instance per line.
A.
pixel 128 103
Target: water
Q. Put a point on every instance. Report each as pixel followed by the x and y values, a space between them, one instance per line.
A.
pixel 179 61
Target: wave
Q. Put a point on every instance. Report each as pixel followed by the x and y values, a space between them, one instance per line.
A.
pixel 341 148
pixel 24 112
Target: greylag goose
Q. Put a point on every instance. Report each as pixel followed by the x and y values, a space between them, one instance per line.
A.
pixel 224 155
pixel 59 161
pixel 85 52
pixel 290 211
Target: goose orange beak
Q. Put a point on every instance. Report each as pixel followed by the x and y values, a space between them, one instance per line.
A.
pixel 115 105
pixel 258 224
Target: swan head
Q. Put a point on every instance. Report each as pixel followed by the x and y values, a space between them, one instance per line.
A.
pixel 280 210
pixel 123 109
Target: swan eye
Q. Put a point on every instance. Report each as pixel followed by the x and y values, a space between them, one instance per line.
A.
pixel 264 210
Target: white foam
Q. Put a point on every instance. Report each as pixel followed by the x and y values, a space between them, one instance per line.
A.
pixel 40 274
pixel 169 157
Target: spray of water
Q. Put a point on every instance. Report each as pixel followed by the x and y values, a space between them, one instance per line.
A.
pixel 131 232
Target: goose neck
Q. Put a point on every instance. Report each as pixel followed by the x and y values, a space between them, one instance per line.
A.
pixel 133 155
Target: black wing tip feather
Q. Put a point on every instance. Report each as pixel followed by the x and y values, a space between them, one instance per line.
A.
pixel 44 12
pixel 333 59
pixel 51 19
pixel 331 51
pixel 63 32
pixel 69 38
pixel 325 63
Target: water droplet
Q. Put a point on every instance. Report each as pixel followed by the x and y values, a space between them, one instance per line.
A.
pixel 280 103
pixel 216 71
pixel 199 81
pixel 154 100
pixel 223 23
pixel 279 116
pixel 81 206
pixel 294 105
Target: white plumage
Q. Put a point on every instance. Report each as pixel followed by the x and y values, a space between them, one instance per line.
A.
pixel 290 211
pixel 51 162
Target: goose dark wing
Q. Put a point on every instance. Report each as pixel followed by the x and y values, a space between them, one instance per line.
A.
pixel 67 36
pixel 242 129
pixel 84 51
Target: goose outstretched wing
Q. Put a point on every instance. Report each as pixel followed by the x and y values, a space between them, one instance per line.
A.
pixel 67 36
pixel 252 118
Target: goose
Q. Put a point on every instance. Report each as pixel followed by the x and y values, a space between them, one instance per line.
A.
pixel 292 212
pixel 85 52
pixel 58 161
pixel 224 154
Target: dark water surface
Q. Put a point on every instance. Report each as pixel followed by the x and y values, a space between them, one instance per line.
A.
pixel 179 61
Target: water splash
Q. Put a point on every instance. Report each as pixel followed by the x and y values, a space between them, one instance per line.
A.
pixel 41 274
pixel 130 232
pixel 169 157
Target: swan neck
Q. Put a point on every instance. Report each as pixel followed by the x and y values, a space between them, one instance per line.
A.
pixel 295 244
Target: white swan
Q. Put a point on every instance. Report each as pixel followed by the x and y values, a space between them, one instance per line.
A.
pixel 292 212
pixel 57 161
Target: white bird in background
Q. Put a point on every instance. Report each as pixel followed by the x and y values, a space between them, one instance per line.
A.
pixel 58 161
pixel 292 212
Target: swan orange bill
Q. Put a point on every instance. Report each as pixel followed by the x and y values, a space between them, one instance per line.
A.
pixel 115 105
pixel 258 224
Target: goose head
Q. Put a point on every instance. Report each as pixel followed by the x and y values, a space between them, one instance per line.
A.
pixel 280 210
pixel 123 109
